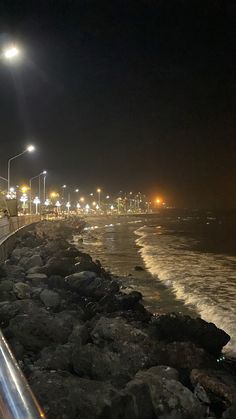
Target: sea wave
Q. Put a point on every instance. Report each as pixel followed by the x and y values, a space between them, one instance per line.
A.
pixel 203 281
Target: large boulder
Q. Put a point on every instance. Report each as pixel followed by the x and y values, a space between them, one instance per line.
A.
pixel 97 363
pixel 50 298
pixel 62 267
pixel 87 283
pixel 169 398
pixel 55 358
pixel 38 330
pixel 30 262
pixel 14 272
pixel 87 265
pixel 20 252
pixel 217 383
pixel 79 397
pixel 132 344
pixel 22 290
pixel 177 327
pixel 37 279
pixel 181 355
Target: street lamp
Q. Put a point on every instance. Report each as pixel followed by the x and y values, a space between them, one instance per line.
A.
pixel 30 183
pixel 29 149
pixel 36 202
pixel 99 196
pixel 11 52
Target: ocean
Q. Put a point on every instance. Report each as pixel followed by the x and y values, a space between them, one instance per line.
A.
pixel 189 261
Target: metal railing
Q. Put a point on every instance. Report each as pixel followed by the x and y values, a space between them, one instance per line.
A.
pixel 11 224
pixel 16 398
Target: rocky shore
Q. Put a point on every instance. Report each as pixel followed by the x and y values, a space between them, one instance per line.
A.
pixel 89 350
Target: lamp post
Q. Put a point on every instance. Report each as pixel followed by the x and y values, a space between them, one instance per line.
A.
pixel 30 183
pixel 99 196
pixel 36 202
pixel 29 149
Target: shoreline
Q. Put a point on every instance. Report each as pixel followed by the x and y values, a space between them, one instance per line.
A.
pixel 157 297
pixel 91 350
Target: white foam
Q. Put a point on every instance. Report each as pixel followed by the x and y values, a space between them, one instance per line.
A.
pixel 204 281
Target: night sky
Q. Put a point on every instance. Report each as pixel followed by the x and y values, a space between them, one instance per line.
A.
pixel 125 95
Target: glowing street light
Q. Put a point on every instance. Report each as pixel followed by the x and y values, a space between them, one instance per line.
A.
pixel 82 199
pixel 29 149
pixel 36 201
pixel 30 182
pixel 11 52
pixel 68 205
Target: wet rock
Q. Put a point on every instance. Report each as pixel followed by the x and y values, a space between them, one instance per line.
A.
pixel 230 413
pixel 170 399
pixel 50 298
pixel 6 285
pixel 57 282
pixel 96 363
pixel 37 278
pixel 38 330
pixel 58 358
pixel 139 268
pixel 89 284
pixel 128 301
pixel 80 335
pixel 14 271
pixel 20 252
pixel 16 348
pixel 87 265
pixel 216 383
pixel 35 270
pixel 62 267
pixel 181 355
pixel 132 344
pixel 22 290
pixel 176 327
pixel 79 397
pixel 30 262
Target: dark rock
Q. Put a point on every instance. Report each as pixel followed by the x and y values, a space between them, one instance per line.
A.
pixel 57 282
pixel 30 262
pixel 132 344
pixel 128 301
pixel 96 363
pixel 139 268
pixel 58 358
pixel 6 285
pixel 230 413
pixel 37 279
pixel 62 267
pixel 88 284
pixel 87 265
pixel 38 330
pixel 14 271
pixel 176 327
pixel 181 355
pixel 79 398
pixel 170 399
pixel 22 290
pixel 80 335
pixel 17 349
pixel 216 383
pixel 50 298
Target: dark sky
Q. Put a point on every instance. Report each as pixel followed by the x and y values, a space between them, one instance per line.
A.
pixel 126 95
